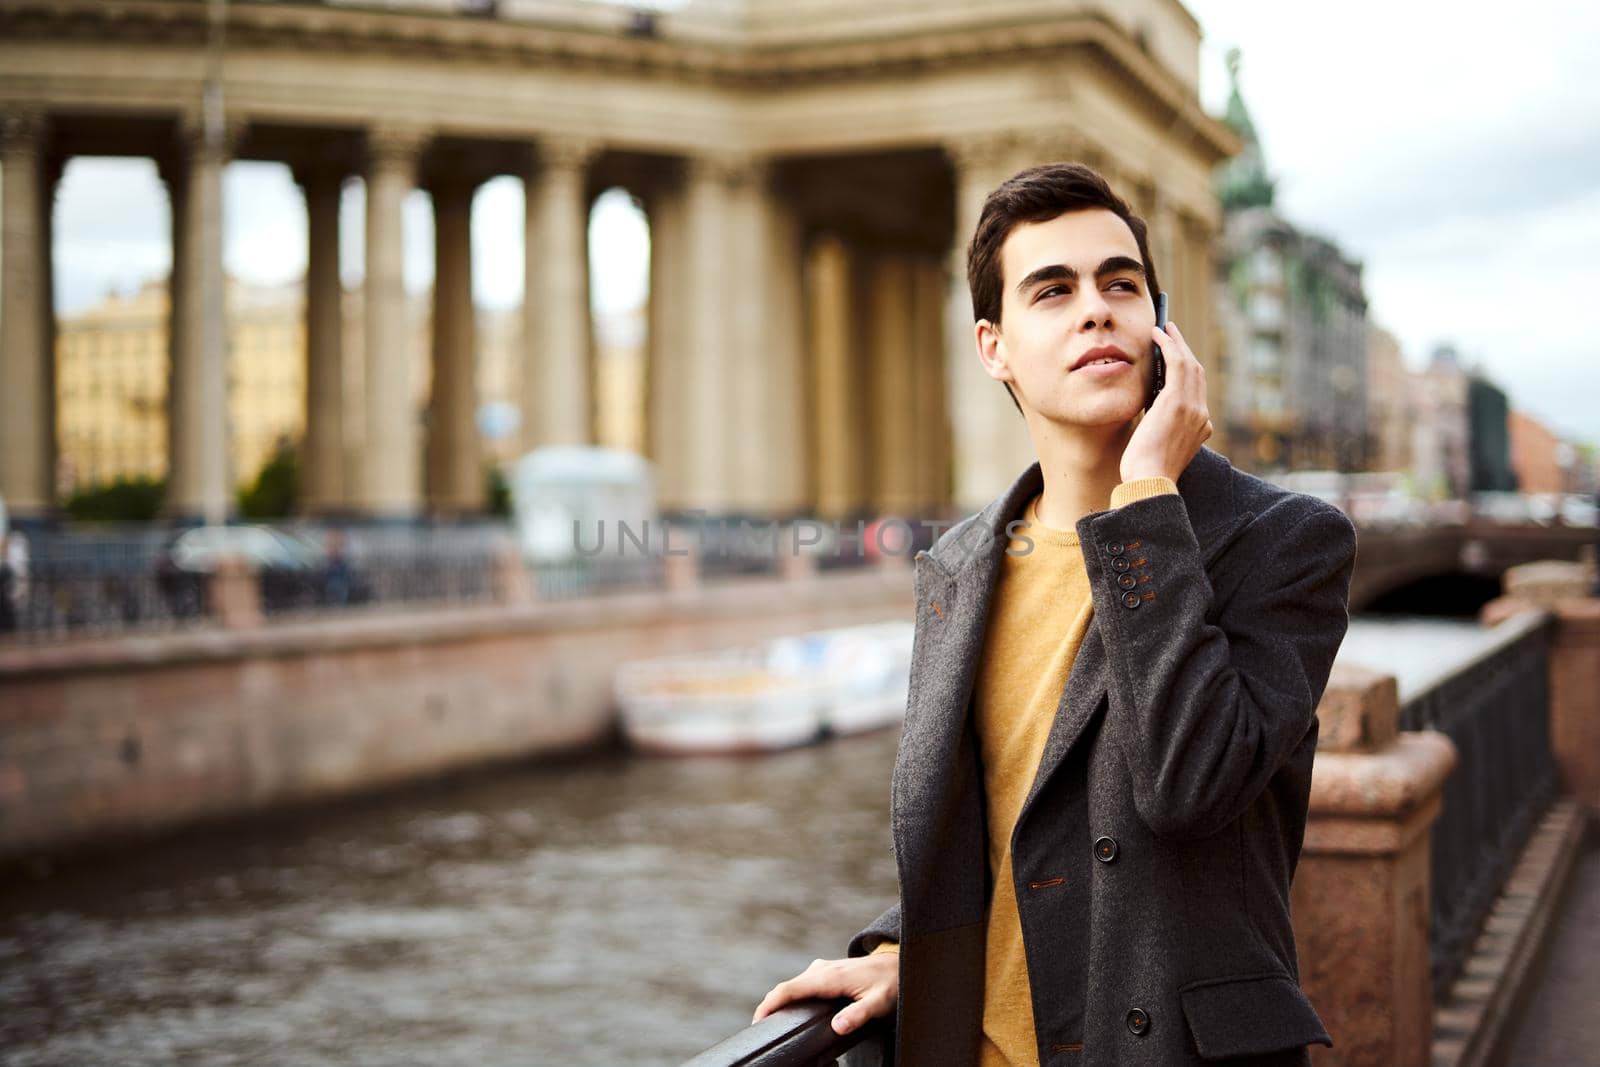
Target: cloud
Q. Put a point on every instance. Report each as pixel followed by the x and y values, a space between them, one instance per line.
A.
pixel 1451 150
pixel 113 229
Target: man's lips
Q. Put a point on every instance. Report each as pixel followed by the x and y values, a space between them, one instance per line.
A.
pixel 1103 352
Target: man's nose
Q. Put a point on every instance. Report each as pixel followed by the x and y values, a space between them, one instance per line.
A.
pixel 1096 310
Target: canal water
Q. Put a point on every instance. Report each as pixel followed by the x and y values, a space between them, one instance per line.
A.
pixel 604 911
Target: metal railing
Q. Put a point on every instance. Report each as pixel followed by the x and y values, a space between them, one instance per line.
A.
pixel 133 577
pixel 78 582
pixel 798 1035
pixel 1496 709
pixel 102 581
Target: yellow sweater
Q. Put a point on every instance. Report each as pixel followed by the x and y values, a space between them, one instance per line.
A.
pixel 1039 613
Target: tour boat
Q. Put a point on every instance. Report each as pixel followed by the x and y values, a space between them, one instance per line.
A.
pixel 782 693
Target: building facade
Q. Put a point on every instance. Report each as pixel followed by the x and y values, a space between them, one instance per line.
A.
pixel 1537 455
pixel 1489 437
pixel 1294 323
pixel 111 384
pixel 811 172
pixel 1390 402
pixel 1441 462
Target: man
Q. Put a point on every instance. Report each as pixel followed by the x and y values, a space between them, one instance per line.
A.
pixel 1101 789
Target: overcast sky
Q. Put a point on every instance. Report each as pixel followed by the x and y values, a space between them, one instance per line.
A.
pixel 1453 148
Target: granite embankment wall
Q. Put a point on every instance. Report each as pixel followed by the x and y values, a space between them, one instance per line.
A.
pixel 100 739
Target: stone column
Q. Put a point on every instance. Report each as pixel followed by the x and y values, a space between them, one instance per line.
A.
pixel 50 181
pixel 839 452
pixel 390 482
pixel 322 459
pixel 454 466
pixel 1564 589
pixel 558 406
pixel 990 444
pixel 932 422
pixel 1165 249
pixel 26 450
pixel 199 478
pixel 786 482
pixel 1199 242
pixel 670 410
pixel 711 278
pixel 892 429
pixel 762 360
pixel 1361 894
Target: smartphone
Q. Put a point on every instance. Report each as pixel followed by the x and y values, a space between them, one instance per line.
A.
pixel 1159 379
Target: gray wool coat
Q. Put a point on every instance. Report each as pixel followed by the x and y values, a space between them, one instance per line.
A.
pixel 1153 855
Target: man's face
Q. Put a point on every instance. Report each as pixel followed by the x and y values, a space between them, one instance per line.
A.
pixel 1072 287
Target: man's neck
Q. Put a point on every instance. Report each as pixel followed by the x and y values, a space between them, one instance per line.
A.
pixel 1080 465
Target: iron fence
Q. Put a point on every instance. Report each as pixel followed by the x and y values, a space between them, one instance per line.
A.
pixel 1496 710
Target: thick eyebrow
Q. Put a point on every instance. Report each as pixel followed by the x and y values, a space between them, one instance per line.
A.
pixel 1060 272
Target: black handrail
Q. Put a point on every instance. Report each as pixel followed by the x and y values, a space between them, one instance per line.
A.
pixel 797 1035
pixel 1496 709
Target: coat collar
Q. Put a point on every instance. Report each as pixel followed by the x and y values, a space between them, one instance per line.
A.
pixel 971 556
pixel 961 572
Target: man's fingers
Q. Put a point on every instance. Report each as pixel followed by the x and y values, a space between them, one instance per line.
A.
pixel 814 981
pixel 871 1005
pixel 1173 346
pixel 866 979
pixel 1184 345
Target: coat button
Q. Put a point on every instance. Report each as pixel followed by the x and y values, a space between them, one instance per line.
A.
pixel 1105 849
pixel 1130 600
pixel 1127 581
pixel 1115 548
pixel 1138 1020
pixel 1119 563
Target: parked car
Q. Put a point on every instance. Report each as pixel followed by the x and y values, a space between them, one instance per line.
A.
pixel 291 570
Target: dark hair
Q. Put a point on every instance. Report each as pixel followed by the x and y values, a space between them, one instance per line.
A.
pixel 1039 194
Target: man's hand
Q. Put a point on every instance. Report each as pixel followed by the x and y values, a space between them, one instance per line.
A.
pixel 1177 424
pixel 873 982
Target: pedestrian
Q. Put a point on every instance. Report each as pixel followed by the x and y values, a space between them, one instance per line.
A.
pixel 1100 793
pixel 9 582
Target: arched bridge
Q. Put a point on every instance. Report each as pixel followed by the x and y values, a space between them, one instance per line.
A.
pixel 1389 559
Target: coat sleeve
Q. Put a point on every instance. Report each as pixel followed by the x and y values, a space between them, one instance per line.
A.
pixel 1216 695
pixel 885 928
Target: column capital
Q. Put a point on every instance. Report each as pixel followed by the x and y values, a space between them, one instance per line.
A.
pixel 564 152
pixel 729 168
pixel 23 130
pixel 323 172
pixel 394 145
pixel 448 182
pixel 195 140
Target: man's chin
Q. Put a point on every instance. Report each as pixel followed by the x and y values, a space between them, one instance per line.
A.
pixel 1099 416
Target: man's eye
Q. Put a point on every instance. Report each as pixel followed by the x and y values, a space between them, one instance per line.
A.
pixel 1129 286
pixel 1052 291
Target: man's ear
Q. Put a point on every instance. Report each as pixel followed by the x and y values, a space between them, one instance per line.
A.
pixel 991 350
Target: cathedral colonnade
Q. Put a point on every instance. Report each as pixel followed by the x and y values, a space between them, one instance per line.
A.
pixel 808 339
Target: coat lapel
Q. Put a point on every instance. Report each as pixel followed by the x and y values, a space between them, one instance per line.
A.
pixel 953 590
pixel 1206 487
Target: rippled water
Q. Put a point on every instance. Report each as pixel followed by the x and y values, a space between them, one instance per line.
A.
pixel 606 911
pixel 609 911
pixel 1414 649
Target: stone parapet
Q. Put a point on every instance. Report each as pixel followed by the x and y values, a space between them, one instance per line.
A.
pixel 1361 894
pixel 109 737
pixel 1564 589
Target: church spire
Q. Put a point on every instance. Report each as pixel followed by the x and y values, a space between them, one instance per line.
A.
pixel 1243 181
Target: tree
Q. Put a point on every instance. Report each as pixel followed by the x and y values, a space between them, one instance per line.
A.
pixel 276 490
